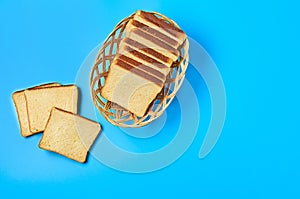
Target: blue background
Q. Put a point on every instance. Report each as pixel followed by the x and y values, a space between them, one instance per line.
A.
pixel 256 47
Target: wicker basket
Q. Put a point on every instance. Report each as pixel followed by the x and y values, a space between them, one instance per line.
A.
pixel 116 114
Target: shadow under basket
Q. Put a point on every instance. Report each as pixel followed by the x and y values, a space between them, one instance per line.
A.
pixel 116 114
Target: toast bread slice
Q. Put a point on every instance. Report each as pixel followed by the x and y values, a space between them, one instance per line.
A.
pixel 69 134
pixel 40 101
pixel 140 88
pixel 21 108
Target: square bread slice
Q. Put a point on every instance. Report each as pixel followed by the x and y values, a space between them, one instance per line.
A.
pixel 69 134
pixel 21 108
pixel 40 102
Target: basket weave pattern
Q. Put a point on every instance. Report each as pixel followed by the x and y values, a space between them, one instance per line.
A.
pixel 113 112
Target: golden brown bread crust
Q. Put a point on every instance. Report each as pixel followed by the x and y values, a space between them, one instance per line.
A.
pixel 148 51
pixel 176 32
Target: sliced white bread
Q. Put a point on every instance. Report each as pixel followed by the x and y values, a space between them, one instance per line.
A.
pixel 21 108
pixel 131 92
pixel 69 134
pixel 40 101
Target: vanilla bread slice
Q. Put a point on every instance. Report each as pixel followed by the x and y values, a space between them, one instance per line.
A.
pixel 21 108
pixel 40 101
pixel 69 134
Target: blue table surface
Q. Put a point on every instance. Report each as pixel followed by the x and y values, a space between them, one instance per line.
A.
pixel 255 45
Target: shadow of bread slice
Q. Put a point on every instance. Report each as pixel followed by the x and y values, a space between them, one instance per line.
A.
pixel 40 102
pixel 69 134
pixel 21 108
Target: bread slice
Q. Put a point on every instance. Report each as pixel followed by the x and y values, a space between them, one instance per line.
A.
pixel 139 70
pixel 132 92
pixel 40 102
pixel 69 134
pixel 21 108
